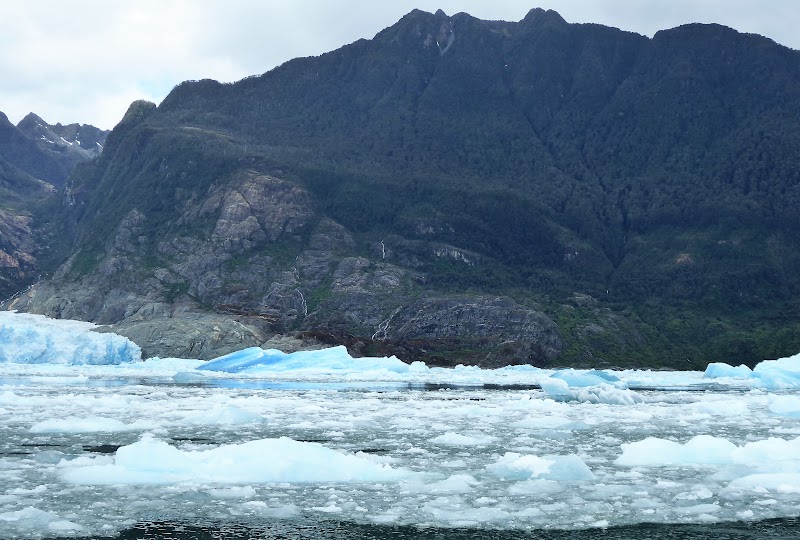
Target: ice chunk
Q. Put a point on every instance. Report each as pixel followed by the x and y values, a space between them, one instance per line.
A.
pixel 32 518
pixel 768 452
pixel 520 467
pixel 457 483
pixel 255 359
pixel 34 339
pixel 778 374
pixel 516 466
pixel 455 439
pixel 721 407
pixel 780 483
pixel 602 393
pixel 151 461
pixel 785 406
pixel 708 450
pixel 224 416
pixel 718 370
pixel 700 450
pixel 582 378
pixel 74 424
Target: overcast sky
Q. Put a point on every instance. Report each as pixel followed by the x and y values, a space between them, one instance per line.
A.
pixel 87 60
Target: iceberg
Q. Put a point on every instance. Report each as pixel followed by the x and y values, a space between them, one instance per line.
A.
pixel 565 468
pixel 35 339
pixel 154 462
pixel 584 378
pixel 771 454
pixel 560 390
pixel 655 452
pixel 256 360
pixel 780 374
pixel 718 370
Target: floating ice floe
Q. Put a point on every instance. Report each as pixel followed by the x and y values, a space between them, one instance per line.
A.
pixel 456 439
pixel 780 374
pixel 93 424
pixel 223 416
pixel 785 406
pixel 31 518
pixel 255 359
pixel 515 466
pixel 152 461
pixel 560 390
pixel 35 339
pixel 768 455
pixel 583 378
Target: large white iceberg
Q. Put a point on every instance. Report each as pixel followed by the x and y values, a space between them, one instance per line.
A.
pixel 771 454
pixel 152 461
pixel 34 339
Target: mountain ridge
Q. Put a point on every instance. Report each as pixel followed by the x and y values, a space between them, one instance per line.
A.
pixel 632 198
pixel 32 169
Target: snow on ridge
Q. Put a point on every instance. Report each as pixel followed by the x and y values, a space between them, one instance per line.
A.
pixel 35 339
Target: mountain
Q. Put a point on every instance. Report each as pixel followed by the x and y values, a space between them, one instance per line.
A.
pixel 70 144
pixel 33 165
pixel 457 190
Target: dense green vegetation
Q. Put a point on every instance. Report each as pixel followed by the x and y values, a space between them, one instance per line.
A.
pixel 661 177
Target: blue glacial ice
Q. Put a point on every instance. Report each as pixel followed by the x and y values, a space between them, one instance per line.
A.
pixel 255 359
pixel 781 374
pixel 581 378
pixel 40 342
pixel 34 339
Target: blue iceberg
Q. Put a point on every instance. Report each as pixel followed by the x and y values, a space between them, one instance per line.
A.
pixel 780 374
pixel 583 378
pixel 255 359
pixel 34 339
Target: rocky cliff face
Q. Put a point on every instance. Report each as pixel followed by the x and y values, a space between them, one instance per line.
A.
pixel 270 271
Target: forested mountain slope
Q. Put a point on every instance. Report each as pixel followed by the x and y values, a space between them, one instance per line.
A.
pixel 459 190
pixel 35 160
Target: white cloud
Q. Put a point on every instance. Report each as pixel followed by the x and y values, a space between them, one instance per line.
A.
pixel 85 61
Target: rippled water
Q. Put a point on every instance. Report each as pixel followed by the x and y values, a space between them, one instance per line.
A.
pixel 776 529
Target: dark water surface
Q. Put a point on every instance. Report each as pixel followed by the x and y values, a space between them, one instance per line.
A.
pixel 775 529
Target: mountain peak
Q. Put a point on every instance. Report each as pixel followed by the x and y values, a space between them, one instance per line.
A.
pixel 539 16
pixel 31 117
